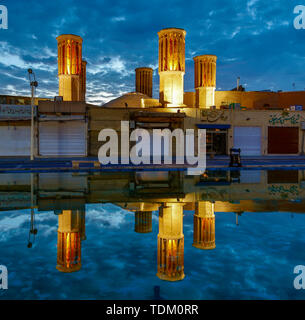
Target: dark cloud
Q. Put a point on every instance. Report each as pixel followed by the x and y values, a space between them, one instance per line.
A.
pixel 252 39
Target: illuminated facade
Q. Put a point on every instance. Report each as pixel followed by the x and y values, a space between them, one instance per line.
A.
pixel 204 225
pixel 70 67
pixel 205 80
pixel 144 82
pixel 171 242
pixel 171 66
pixel 71 231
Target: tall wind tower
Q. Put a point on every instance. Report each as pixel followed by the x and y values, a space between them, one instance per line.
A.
pixel 205 80
pixel 171 66
pixel 144 81
pixel 70 67
pixel 83 81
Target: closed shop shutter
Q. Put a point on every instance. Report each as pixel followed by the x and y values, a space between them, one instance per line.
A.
pixel 248 139
pixel 67 138
pixel 15 140
pixel 283 140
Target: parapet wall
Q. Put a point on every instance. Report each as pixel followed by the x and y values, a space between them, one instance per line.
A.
pixel 260 100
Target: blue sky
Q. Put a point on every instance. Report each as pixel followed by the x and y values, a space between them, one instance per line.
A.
pixel 253 39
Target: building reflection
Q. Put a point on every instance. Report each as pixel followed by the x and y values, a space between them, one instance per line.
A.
pixel 145 193
pixel 171 242
pixel 204 225
pixel 143 221
pixel 71 231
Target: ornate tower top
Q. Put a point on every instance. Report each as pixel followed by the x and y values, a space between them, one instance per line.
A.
pixel 144 80
pixel 205 70
pixel 172 49
pixel 70 67
pixel 171 66
pixel 69 54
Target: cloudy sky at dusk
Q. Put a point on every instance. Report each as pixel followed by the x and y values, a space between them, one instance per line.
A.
pixel 253 39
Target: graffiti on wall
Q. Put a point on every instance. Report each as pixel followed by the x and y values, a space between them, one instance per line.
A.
pixel 213 115
pixel 285 192
pixel 284 118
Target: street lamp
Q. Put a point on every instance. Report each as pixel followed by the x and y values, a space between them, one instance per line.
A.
pixel 34 85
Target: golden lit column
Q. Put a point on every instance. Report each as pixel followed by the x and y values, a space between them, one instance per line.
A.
pixel 69 66
pixel 171 242
pixel 205 80
pixel 144 82
pixel 83 80
pixel 71 230
pixel 143 221
pixel 171 66
pixel 204 225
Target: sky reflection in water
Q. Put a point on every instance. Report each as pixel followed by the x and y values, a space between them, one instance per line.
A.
pixel 254 260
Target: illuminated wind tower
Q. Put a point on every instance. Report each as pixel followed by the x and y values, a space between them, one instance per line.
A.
pixel 205 80
pixel 144 82
pixel 171 66
pixel 143 221
pixel 83 81
pixel 70 67
pixel 204 225
pixel 171 242
pixel 71 230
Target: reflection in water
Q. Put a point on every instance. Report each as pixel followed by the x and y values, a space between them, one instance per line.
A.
pixel 143 221
pixel 152 197
pixel 171 242
pixel 71 231
pixel 204 225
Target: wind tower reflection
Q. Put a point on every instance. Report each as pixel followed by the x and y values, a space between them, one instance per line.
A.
pixel 171 242
pixel 204 226
pixel 71 231
pixel 143 221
